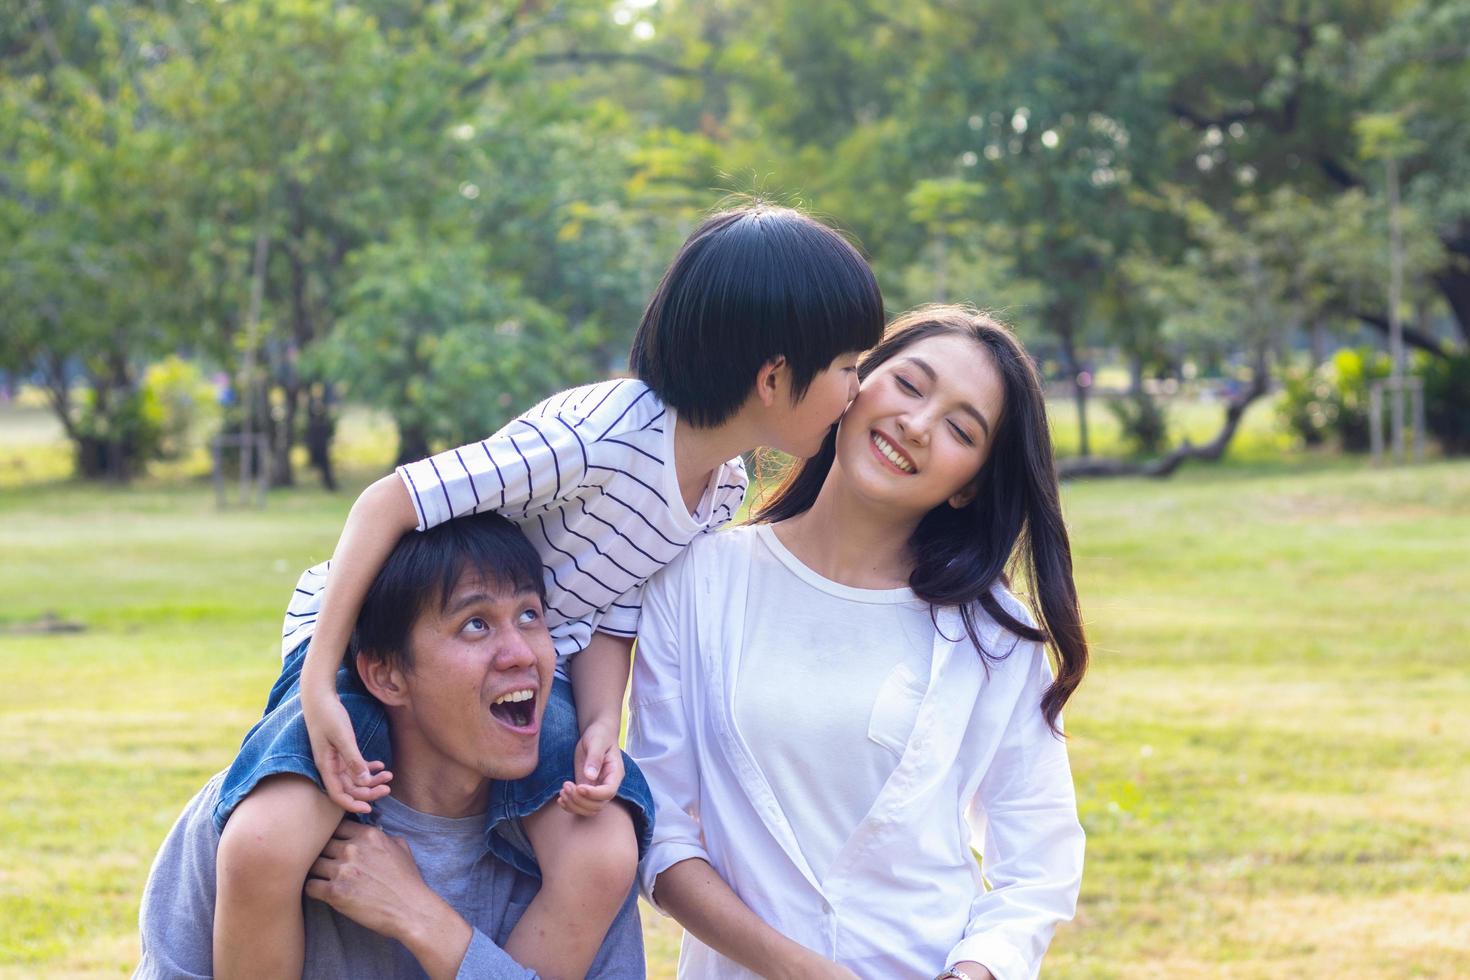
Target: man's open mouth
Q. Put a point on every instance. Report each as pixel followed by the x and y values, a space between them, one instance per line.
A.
pixel 516 708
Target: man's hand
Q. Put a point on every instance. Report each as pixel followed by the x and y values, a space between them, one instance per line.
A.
pixel 371 878
pixel 599 770
pixel 350 782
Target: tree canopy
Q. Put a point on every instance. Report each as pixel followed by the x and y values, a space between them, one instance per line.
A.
pixel 446 209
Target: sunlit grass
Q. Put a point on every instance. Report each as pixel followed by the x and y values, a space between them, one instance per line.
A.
pixel 1269 751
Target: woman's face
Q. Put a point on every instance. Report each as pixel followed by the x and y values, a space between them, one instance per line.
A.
pixel 922 423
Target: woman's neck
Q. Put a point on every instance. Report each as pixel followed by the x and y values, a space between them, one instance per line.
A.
pixel 849 540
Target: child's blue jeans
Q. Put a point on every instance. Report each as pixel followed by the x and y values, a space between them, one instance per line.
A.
pixel 279 744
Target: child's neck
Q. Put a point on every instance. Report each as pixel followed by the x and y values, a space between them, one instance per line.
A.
pixel 698 451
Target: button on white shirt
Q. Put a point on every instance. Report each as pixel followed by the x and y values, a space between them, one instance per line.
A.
pixel 903 896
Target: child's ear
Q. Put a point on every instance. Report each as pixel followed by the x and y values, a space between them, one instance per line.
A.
pixel 768 380
pixel 384 682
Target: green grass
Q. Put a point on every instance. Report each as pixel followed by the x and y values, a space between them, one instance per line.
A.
pixel 1269 751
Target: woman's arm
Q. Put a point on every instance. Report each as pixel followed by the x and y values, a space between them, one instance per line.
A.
pixel 694 894
pixel 1024 819
pixel 382 514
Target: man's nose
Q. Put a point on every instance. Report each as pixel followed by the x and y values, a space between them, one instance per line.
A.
pixel 514 651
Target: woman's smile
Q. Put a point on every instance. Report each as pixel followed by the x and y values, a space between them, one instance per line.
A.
pixel 892 455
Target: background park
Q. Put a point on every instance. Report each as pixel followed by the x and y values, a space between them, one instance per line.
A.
pixel 325 236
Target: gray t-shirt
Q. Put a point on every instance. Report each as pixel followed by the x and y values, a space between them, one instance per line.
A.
pixel 177 914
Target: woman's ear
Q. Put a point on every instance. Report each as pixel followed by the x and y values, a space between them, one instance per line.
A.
pixel 383 681
pixel 768 380
pixel 965 497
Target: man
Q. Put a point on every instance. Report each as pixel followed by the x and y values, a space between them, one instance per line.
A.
pixel 451 641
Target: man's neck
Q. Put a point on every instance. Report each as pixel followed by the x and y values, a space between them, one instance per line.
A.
pixel 429 783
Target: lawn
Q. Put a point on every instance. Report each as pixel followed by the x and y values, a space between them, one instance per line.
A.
pixel 1270 750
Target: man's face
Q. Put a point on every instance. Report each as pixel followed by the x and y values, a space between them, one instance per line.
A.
pixel 482 669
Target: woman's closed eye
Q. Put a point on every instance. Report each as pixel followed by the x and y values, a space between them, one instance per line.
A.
pixel 906 384
pixel 961 434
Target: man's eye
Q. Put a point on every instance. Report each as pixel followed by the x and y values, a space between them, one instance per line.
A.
pixel 476 625
pixel 529 616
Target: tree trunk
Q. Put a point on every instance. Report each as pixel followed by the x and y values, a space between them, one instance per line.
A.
pixel 1454 282
pixel 1412 337
pixel 320 428
pixel 1062 323
pixel 1211 451
pixel 283 435
pixel 1317 334
pixel 413 443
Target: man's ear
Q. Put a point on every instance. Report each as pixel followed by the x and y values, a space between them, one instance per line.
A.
pixel 384 682
pixel 768 380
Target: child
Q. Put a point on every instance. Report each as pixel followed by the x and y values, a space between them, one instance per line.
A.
pixel 750 339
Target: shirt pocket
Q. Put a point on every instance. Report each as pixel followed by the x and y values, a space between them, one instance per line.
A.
pixel 896 709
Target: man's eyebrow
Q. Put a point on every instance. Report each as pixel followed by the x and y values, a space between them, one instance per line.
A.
pixel 465 600
pixel 924 366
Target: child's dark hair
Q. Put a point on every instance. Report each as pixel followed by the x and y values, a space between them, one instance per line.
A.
pixel 748 286
pixel 960 554
pixel 423 569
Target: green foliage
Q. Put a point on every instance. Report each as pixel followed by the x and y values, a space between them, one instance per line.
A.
pixel 1123 178
pixel 1447 401
pixel 114 434
pixel 1333 400
pixel 433 335
pixel 181 405
pixel 1143 422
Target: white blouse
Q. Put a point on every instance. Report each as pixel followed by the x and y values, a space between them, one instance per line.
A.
pixel 904 896
pixel 826 664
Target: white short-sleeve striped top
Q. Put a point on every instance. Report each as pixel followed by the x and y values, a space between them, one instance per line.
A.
pixel 589 476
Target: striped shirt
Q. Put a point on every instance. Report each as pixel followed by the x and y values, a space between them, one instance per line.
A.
pixel 589 476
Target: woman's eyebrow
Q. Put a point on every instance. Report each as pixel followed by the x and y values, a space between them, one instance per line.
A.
pixel 924 366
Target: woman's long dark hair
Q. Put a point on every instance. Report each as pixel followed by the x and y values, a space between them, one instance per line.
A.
pixel 959 554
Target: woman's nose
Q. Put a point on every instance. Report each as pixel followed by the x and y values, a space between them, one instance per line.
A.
pixel 913 429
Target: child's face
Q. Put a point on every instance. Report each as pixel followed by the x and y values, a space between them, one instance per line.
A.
pixel 805 423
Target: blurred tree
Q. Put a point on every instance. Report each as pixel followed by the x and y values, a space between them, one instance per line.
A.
pixel 434 334
pixel 92 253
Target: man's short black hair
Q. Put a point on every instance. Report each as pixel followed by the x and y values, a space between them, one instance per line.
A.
pixel 748 286
pixel 423 568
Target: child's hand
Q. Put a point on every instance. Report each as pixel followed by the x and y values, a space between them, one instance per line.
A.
pixel 350 782
pixel 599 770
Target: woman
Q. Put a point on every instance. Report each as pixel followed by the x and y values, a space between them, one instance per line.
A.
pixel 824 699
